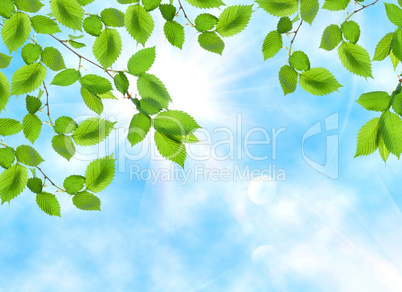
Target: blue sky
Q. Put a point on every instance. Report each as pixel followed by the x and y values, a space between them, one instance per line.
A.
pixel 307 233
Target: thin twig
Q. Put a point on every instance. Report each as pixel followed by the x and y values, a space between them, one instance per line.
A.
pixel 47 178
pixel 47 103
pixel 294 37
pixel 185 15
pixel 360 9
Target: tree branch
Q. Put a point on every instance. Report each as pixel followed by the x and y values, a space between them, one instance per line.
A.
pixel 360 9
pixel 185 15
pixel 47 178
pixel 294 37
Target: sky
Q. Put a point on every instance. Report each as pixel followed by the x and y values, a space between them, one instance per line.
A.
pixel 241 216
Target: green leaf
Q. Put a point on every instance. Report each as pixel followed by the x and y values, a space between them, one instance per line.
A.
pixel 284 25
pixel 331 37
pixel 375 101
pixel 288 79
pixel 92 131
pixel 171 149
pixel 336 5
pixel 93 25
pixel 12 182
pixel 145 107
pixel 92 101
pixel 191 138
pixel 66 77
pixel 65 125
pixel 28 156
pixel 27 78
pixel 153 90
pixel 394 14
pixel 16 31
pixel 211 42
pixel 64 146
pixel 9 127
pixel 174 33
pixel 112 17
pixel 272 44
pixel 4 61
pixel 99 174
pixel 173 122
pixel 279 7
pixel 30 53
pixel 96 84
pixel 394 60
pixel 351 31
pixel 151 4
pixel 84 2
pixel 367 139
pixel 76 45
pixel 45 25
pixel 107 95
pixel 205 21
pixel 205 3
pixel 168 11
pixel 396 43
pixel 139 23
pixel 299 60
pixel 397 103
pixel 68 12
pixel 48 204
pixel 309 10
pixel 87 202
pixel 31 126
pixel 141 61
pixel 355 59
pixel 384 152
pixel 28 5
pixel 391 131
pixel 73 184
pixel 318 81
pixel 383 48
pixel 53 59
pixel 121 82
pixel 7 157
pixel 139 128
pixel 233 20
pixel 35 185
pixel 7 8
pixel 4 91
pixel 107 47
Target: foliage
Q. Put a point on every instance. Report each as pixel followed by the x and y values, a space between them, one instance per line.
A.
pixel 22 21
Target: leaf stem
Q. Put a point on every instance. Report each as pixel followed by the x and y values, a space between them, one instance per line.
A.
pixel 185 14
pixel 360 9
pixel 47 178
pixel 294 37
pixel 47 104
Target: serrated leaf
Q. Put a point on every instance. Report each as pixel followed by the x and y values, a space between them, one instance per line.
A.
pixel 396 43
pixel 84 2
pixel 35 185
pixel 9 127
pixel 284 25
pixel 96 84
pixel 355 59
pixel 318 81
pixel 66 77
pixel 174 33
pixel 139 23
pixel 53 59
pixel 121 82
pixel 145 108
pixel 49 204
pixel 64 146
pixel 300 61
pixel 68 12
pixel 233 20
pixel 288 79
pixel 205 21
pixel 4 91
pixel 279 7
pixel 93 25
pixel 92 131
pixel 384 152
pixel 7 8
pixel 30 53
pixel 31 126
pixel 76 45
pixel 153 90
pixel 351 31
pixel 5 61
pixel 65 125
pixel 27 78
pixel 394 14
pixel 171 149
pixel 190 138
pixel 383 48
pixel 272 44
pixel 394 60
pixel 375 101
pixel 139 128
pixel 367 139
pixel 309 10
pixel 45 25
pixel 92 101
pixel 107 47
pixel 331 37
pixel 16 30
pixel 211 42
pixel 112 17
pixel 99 174
pixel 168 11
pixel 28 5
pixel 397 103
pixel 174 122
pixel 391 130
pixel 73 184
pixel 205 3
pixel 28 156
pixel 336 5
pixel 150 5
pixel 107 95
pixel 12 182
pixel 141 61
pixel 7 157
pixel 87 202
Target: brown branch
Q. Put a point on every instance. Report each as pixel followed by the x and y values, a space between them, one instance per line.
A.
pixel 360 9
pixel 185 15
pixel 294 37
pixel 47 102
pixel 47 178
